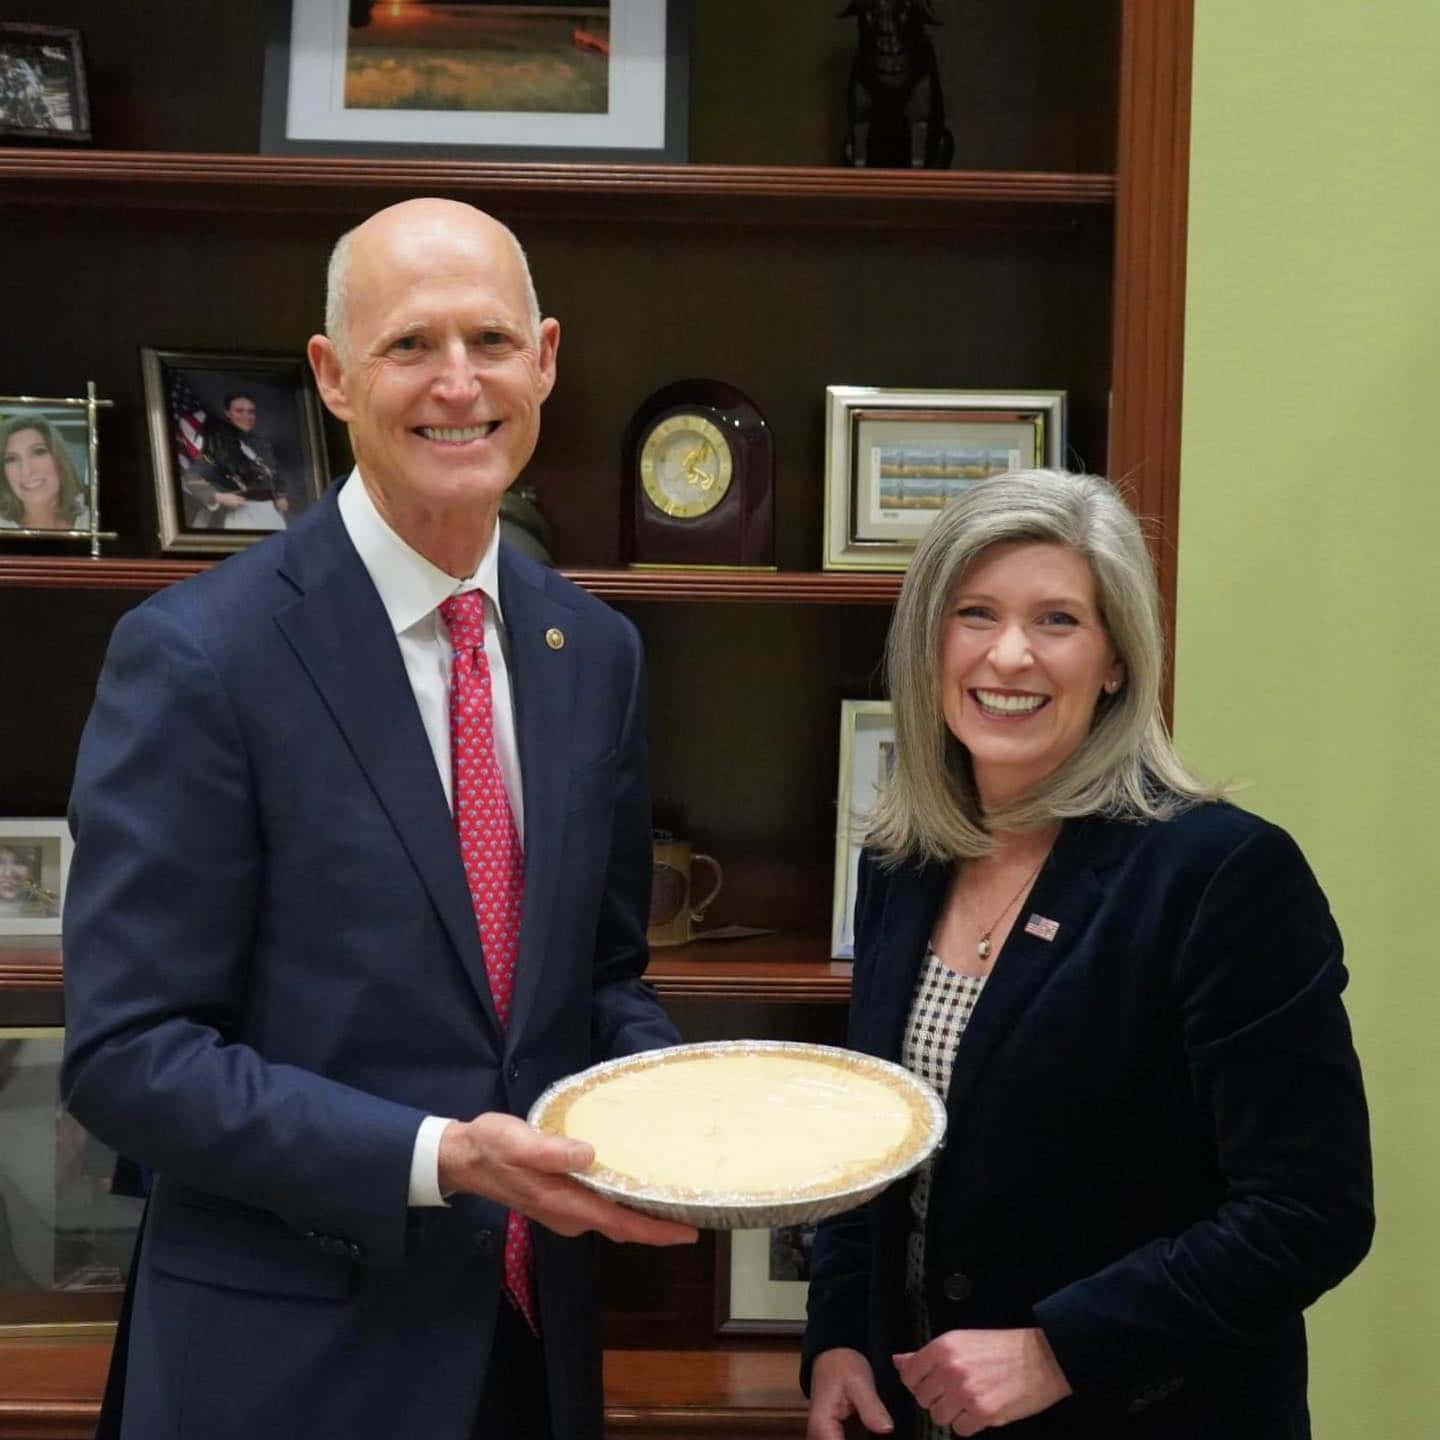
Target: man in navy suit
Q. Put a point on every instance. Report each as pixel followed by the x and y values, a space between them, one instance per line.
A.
pixel 276 989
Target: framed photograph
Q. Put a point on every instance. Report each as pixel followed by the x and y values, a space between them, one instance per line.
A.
pixel 34 864
pixel 894 457
pixel 606 81
pixel 761 1277
pixel 42 84
pixel 237 446
pixel 67 1228
pixel 867 755
pixel 49 448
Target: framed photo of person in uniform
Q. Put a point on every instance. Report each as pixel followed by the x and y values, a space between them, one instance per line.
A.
pixel 237 446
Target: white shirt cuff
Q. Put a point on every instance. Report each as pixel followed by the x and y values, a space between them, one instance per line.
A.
pixel 425 1162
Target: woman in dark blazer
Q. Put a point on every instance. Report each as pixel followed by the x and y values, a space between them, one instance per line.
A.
pixel 1128 991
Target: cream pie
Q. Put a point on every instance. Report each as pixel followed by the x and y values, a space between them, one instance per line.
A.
pixel 745 1122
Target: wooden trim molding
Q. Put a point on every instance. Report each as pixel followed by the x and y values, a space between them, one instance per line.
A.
pixel 739 587
pixel 674 193
pixel 1151 211
pixel 52 1391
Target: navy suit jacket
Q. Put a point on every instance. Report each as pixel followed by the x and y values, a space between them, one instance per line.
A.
pixel 273 973
pixel 1157 1147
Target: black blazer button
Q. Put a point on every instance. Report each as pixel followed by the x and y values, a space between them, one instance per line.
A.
pixel 512 1072
pixel 482 1242
pixel 957 1286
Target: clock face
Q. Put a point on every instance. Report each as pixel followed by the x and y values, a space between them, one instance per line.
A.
pixel 686 466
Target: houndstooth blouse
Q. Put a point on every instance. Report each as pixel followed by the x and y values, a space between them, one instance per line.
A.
pixel 939 1012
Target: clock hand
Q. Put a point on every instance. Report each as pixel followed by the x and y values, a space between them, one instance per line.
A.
pixel 692 462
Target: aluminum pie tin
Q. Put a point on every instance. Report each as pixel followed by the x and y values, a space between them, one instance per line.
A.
pixel 720 1210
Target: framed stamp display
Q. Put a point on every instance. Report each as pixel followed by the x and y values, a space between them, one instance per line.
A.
pixel 867 754
pixel 606 82
pixel 893 458
pixel 34 865
pixel 237 446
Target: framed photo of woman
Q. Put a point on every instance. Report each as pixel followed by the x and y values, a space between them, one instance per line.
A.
pixel 49 451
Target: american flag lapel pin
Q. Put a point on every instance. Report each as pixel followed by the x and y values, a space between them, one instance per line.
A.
pixel 1043 926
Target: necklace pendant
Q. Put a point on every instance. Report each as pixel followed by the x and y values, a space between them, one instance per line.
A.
pixel 983 948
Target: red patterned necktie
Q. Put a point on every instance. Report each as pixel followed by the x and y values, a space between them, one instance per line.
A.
pixel 494 862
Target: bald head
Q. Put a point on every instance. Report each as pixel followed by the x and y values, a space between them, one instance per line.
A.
pixel 406 226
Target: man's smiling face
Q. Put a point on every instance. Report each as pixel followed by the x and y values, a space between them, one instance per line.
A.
pixel 445 369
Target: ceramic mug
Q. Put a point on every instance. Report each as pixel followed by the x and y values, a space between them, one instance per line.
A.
pixel 672 908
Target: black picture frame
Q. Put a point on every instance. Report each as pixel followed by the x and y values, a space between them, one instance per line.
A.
pixel 761 1279
pixel 42 85
pixel 197 474
pixel 325 129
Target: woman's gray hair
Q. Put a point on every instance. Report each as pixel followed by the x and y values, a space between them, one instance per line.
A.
pixel 1125 767
pixel 337 292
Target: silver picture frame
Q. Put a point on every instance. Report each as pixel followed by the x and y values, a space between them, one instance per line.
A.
pixel 34 870
pixel 867 748
pixel 893 458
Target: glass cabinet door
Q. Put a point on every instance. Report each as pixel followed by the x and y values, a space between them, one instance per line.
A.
pixel 66 1231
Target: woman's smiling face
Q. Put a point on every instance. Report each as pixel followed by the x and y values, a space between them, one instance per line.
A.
pixel 1024 659
pixel 31 471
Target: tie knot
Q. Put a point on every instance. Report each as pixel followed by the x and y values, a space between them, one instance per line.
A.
pixel 464 617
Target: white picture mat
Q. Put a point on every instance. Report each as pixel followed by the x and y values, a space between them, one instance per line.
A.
pixel 753 1294
pixel 878 521
pixel 315 108
pixel 867 727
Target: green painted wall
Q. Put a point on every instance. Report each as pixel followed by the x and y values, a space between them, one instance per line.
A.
pixel 1308 629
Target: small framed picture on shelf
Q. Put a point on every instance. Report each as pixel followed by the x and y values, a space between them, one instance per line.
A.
pixel 867 755
pixel 894 457
pixel 49 449
pixel 761 1277
pixel 34 865
pixel 599 82
pixel 42 84
pixel 236 443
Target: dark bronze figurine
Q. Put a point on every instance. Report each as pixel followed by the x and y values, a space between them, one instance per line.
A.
pixel 894 112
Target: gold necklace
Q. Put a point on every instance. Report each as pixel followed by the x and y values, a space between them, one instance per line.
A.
pixel 982 949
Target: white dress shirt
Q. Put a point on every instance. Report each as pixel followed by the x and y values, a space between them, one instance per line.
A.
pixel 411 590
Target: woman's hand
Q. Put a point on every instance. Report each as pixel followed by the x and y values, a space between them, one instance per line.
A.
pixel 841 1385
pixel 972 1379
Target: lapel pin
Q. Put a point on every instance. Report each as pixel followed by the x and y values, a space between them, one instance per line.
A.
pixel 555 639
pixel 1042 926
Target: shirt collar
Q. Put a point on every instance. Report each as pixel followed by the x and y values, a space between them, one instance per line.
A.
pixel 409 586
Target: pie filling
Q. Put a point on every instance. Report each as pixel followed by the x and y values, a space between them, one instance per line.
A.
pixel 741 1124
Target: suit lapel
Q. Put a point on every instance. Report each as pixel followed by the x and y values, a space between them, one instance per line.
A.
pixel 337 618
pixel 544 683
pixel 911 904
pixel 1066 892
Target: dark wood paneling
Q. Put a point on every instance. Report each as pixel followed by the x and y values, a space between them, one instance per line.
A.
pixel 1153 171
